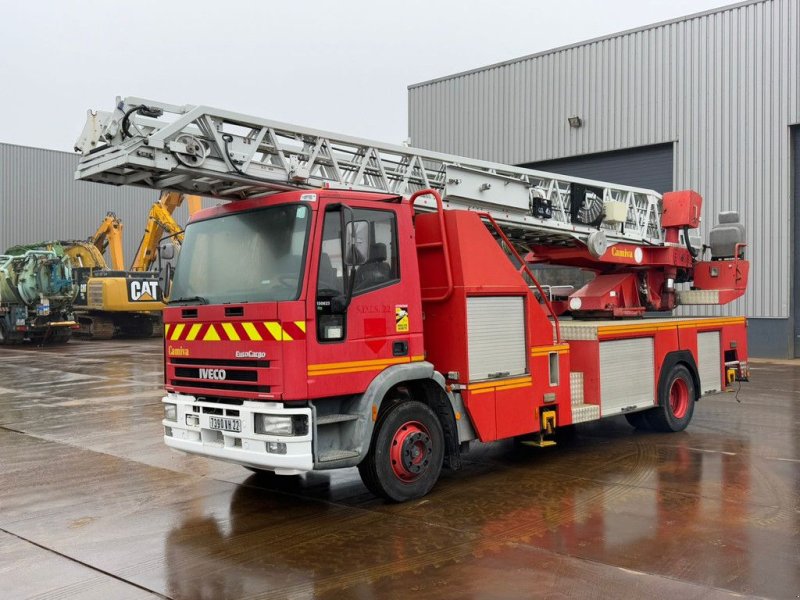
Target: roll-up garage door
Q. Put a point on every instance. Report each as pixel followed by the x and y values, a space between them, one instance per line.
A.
pixel 646 166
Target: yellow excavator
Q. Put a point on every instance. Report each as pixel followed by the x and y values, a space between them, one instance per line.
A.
pixel 113 301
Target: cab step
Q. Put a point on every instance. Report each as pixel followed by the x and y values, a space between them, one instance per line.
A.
pixel 332 455
pixel 329 419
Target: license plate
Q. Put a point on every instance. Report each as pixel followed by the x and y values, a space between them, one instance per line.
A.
pixel 225 424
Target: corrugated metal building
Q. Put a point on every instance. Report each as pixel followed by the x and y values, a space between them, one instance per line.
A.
pixel 709 102
pixel 40 200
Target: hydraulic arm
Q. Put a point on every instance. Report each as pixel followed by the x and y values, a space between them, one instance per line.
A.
pixel 160 223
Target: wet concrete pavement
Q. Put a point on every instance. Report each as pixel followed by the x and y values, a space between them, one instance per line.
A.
pixel 92 505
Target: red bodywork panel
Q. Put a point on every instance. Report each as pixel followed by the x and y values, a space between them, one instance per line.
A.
pixel 507 406
pixel 681 209
pixel 617 293
pixel 729 277
pixel 669 335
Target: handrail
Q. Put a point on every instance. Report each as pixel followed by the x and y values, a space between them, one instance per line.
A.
pixel 445 246
pixel 485 215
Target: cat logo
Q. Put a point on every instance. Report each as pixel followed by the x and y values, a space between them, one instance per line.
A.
pixel 143 291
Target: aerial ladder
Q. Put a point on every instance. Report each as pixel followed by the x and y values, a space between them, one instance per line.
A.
pixel 637 241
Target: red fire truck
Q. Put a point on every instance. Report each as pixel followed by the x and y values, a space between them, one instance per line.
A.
pixel 361 304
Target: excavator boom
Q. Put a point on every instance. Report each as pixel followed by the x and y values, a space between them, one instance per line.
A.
pixel 160 222
pixel 109 237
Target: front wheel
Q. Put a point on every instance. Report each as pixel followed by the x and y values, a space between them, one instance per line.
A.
pixel 406 453
pixel 676 398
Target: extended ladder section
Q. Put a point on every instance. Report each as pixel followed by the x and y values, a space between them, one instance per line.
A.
pixel 212 152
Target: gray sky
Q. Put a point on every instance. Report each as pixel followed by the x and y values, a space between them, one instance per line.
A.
pixel 339 65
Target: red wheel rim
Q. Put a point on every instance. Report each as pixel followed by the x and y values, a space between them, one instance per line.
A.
pixel 411 451
pixel 679 398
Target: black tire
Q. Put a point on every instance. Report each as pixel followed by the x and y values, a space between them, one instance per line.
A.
pixel 639 420
pixel 406 453
pixel 676 398
pixel 59 337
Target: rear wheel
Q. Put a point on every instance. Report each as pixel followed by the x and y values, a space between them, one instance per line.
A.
pixel 406 453
pixel 676 398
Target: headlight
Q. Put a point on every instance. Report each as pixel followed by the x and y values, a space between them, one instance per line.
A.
pixel 275 425
pixel 171 412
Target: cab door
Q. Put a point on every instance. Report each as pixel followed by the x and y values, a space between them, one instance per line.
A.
pixel 381 324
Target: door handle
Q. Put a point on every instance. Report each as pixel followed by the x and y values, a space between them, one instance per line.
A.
pixel 400 348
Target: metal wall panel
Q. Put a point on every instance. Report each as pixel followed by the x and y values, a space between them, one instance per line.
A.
pixel 723 86
pixel 627 373
pixel 40 200
pixel 710 367
pixel 496 336
pixel 648 167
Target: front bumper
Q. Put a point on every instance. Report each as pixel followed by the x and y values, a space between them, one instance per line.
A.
pixel 246 447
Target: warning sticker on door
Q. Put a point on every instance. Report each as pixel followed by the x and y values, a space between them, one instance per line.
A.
pixel 401 318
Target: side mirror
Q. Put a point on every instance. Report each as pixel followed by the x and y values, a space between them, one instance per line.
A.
pixel 165 280
pixel 167 251
pixel 356 243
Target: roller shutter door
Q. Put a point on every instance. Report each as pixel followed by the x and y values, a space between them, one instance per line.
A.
pixel 627 375
pixel 710 367
pixel 496 336
pixel 646 166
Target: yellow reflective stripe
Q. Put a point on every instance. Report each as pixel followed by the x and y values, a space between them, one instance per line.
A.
pixel 542 350
pixel 501 387
pixel 177 332
pixel 252 332
pixel 499 382
pixel 301 325
pixel 652 328
pixel 359 365
pixel 166 330
pixel 275 329
pixel 712 322
pixel 231 332
pixel 193 332
pixel 211 335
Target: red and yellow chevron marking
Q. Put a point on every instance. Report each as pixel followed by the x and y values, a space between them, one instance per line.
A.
pixel 358 366
pixel 236 331
pixel 500 385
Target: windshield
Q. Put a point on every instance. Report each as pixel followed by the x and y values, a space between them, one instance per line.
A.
pixel 254 256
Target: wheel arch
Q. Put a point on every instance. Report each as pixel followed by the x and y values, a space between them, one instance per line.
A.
pixel 425 385
pixel 679 357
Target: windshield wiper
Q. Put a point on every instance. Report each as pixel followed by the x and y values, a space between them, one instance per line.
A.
pixel 197 299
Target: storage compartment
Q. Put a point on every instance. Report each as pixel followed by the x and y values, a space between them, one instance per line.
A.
pixel 627 375
pixel 496 336
pixel 709 361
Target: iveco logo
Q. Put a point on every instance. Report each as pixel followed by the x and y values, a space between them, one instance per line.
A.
pixel 218 374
